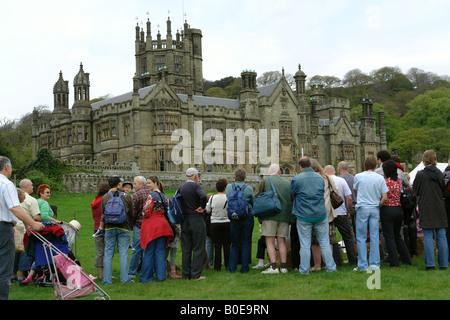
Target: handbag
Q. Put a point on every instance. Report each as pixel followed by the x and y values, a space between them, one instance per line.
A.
pixel 336 199
pixel 266 203
pixel 408 200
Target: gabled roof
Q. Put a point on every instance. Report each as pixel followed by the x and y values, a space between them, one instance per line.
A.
pixel 266 91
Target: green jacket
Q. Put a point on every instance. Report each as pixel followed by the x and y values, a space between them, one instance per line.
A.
pixel 283 189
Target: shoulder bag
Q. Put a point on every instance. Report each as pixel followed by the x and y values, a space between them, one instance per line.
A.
pixel 266 203
pixel 336 199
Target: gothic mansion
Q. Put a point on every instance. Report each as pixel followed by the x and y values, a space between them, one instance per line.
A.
pixel 136 127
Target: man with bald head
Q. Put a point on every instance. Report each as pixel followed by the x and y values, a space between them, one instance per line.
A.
pixel 30 204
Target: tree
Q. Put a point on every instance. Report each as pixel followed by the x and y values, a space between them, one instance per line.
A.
pixel 268 77
pixel 216 92
pixel 411 141
pixel 357 79
pixel 232 90
pixel 431 109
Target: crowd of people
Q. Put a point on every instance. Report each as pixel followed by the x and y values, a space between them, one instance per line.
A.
pixel 371 211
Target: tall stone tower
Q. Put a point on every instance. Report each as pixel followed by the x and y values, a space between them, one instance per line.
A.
pixel 180 56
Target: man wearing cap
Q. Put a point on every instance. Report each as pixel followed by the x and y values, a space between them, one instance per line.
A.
pixel 193 229
pixel 10 212
pixel 117 234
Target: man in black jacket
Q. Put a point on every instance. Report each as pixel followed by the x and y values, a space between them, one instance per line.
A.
pixel 193 229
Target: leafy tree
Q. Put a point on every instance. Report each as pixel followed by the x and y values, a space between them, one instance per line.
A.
pixel 46 168
pixel 431 109
pixel 216 92
pixel 233 89
pixel 411 141
pixel 356 79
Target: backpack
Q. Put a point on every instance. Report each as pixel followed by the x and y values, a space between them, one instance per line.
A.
pixel 175 211
pixel 237 204
pixel 115 209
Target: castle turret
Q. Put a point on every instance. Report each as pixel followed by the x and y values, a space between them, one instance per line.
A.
pixel 81 86
pixel 82 118
pixel 61 98
pixel 300 80
pixel 181 56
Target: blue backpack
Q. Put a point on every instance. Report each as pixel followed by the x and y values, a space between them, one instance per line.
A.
pixel 115 209
pixel 237 204
pixel 175 211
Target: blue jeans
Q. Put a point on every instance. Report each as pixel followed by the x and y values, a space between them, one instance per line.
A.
pixel 122 238
pixel 322 230
pixel 368 217
pixel 442 245
pixel 154 261
pixel 136 255
pixel 241 235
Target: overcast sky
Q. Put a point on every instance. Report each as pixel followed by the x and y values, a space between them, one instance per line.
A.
pixel 327 37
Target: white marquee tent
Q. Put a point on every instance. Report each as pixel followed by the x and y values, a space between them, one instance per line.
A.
pixel 440 165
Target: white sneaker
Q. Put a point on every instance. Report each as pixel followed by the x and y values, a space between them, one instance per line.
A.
pixel 271 271
pixel 283 270
pixel 373 268
pixel 356 269
pixel 258 266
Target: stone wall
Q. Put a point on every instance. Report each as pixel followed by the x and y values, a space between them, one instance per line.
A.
pixel 89 182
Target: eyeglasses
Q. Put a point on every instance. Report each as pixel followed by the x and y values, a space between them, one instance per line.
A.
pixel 47 192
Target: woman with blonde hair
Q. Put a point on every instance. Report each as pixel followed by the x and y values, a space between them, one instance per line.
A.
pixel 429 186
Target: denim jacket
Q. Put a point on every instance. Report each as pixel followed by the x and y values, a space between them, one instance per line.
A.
pixel 308 190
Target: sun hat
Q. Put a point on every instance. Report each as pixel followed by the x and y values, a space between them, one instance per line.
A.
pixel 75 225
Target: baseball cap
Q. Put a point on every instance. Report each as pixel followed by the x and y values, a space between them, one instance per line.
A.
pixel 191 172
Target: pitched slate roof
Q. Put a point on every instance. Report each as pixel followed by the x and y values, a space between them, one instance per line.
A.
pixel 203 101
pixel 211 101
pixel 123 97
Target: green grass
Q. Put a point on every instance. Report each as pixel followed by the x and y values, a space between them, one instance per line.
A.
pixel 403 283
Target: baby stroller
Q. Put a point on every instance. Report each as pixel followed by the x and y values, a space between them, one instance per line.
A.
pixel 67 277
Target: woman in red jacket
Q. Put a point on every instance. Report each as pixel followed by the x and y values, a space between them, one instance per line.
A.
pixel 96 207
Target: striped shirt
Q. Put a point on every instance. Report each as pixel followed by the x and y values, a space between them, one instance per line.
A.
pixel 8 199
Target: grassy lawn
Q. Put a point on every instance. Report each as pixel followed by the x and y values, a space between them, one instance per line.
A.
pixel 403 283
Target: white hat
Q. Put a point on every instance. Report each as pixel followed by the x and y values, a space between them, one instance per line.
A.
pixel 191 172
pixel 75 225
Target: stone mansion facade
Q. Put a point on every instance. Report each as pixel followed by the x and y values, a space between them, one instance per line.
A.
pixel 137 128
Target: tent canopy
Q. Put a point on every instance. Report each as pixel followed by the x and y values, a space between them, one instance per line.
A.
pixel 440 165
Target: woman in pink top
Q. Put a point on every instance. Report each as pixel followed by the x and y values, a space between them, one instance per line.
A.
pixel 391 216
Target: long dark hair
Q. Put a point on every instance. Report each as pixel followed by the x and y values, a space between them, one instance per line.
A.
pixel 102 190
pixel 390 170
pixel 158 183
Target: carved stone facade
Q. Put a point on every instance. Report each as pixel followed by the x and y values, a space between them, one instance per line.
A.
pixel 137 128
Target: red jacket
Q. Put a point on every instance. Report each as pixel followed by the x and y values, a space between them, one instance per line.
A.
pixel 96 207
